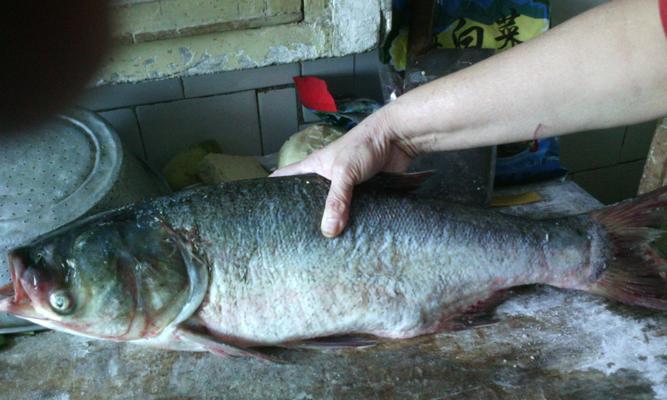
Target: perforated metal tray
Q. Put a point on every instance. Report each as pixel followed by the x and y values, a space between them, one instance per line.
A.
pixel 71 166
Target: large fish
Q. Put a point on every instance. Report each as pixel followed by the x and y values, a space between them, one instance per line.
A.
pixel 240 265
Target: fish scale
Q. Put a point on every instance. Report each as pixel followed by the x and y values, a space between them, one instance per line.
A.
pixel 437 257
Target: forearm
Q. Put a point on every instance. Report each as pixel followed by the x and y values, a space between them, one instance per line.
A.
pixel 606 67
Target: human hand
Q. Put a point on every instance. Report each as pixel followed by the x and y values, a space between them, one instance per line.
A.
pixel 369 148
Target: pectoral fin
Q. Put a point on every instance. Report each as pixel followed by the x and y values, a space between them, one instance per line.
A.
pixel 477 314
pixel 342 342
pixel 218 345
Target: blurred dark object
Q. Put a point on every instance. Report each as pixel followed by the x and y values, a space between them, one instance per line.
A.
pixel 462 176
pixel 420 36
pixel 51 49
pixel 439 62
pixel 527 162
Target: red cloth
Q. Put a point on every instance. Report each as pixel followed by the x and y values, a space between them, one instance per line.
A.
pixel 314 94
pixel 663 13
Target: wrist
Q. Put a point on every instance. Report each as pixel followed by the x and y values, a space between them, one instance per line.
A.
pixel 392 129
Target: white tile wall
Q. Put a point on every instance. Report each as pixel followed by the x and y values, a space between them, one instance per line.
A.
pixel 366 77
pixel 278 117
pixel 125 124
pixel 594 149
pixel 231 120
pixel 234 81
pixel 614 183
pixel 338 72
pixel 262 111
pixel 637 141
pixel 308 116
pixel 129 94
pixel 258 112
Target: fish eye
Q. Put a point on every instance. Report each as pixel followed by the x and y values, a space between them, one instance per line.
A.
pixel 61 302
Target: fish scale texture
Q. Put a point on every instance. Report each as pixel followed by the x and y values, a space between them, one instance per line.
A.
pixel 401 268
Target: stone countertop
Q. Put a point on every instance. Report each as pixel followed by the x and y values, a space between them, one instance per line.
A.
pixel 546 344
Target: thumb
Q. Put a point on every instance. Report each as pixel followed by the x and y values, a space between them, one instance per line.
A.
pixel 337 207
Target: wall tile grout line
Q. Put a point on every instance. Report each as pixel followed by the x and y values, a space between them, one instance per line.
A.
pixel 606 166
pixel 182 87
pixel 620 150
pixel 262 89
pixel 354 73
pixel 141 134
pixel 230 120
pixel 272 88
pixel 259 122
pixel 299 108
pixel 239 80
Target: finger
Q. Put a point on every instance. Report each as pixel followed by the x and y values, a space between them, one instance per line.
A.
pixel 337 207
pixel 297 168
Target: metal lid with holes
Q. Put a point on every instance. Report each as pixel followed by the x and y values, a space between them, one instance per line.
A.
pixel 55 173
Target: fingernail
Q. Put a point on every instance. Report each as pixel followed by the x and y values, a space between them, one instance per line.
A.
pixel 330 225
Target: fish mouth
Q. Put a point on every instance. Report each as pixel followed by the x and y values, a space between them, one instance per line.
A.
pixel 13 297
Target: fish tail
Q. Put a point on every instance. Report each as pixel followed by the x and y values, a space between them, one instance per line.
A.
pixel 636 270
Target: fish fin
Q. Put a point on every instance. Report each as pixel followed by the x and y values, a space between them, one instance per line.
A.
pixel 466 321
pixel 341 342
pixel 478 314
pixel 219 346
pixel 637 271
pixel 396 182
pixel 7 290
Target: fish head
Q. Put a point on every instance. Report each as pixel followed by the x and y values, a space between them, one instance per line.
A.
pixel 109 279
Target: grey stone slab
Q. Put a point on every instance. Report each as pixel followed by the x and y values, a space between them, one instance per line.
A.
pixel 278 117
pixel 592 149
pixel 637 141
pixel 235 81
pixel 125 123
pixel 131 94
pixel 337 72
pixel 231 120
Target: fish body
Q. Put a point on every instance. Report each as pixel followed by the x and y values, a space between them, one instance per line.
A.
pixel 400 269
pixel 231 267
